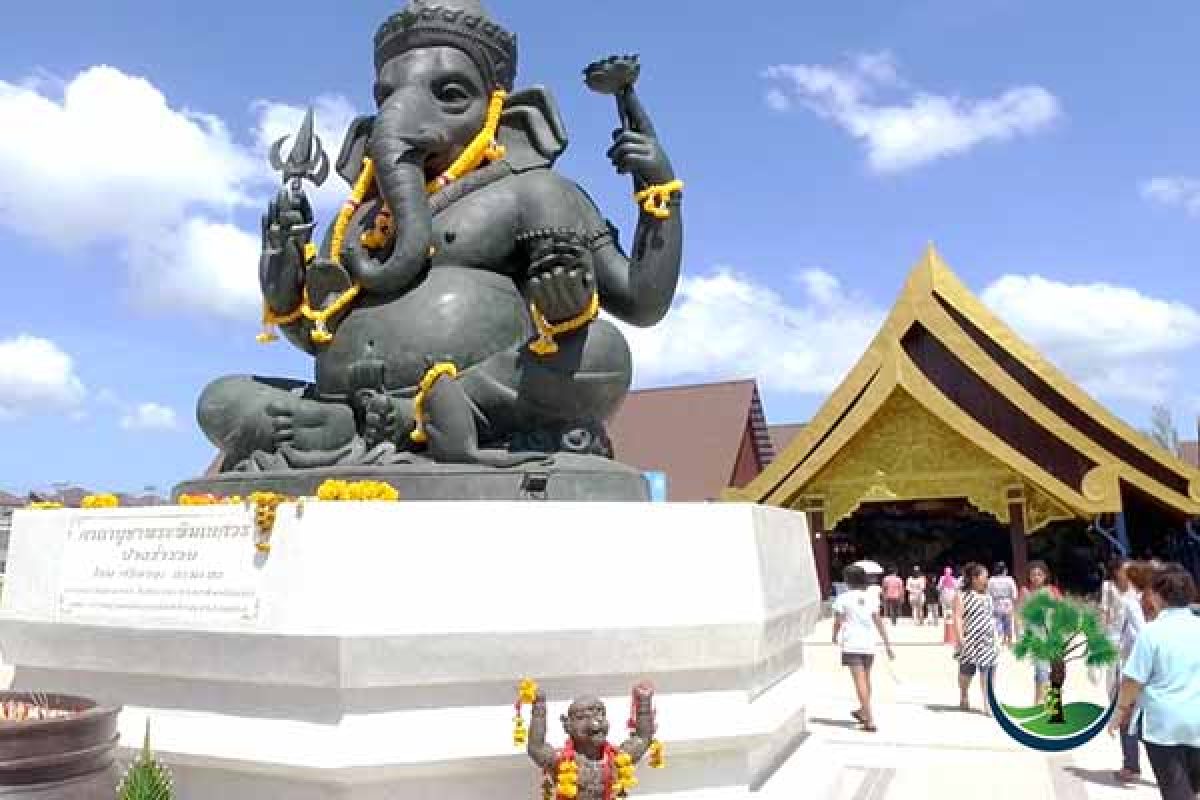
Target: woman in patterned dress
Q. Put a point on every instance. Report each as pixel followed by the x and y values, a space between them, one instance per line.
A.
pixel 973 621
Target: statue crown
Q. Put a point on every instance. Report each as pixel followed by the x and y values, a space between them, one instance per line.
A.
pixel 490 46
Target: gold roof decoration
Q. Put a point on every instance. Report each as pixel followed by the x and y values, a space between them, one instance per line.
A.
pixel 949 401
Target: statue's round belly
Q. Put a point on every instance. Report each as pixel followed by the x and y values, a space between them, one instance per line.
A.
pixel 462 314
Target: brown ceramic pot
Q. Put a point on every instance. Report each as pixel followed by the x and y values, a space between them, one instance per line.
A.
pixel 71 758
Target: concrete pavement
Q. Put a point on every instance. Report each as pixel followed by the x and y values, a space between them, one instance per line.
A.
pixel 926 747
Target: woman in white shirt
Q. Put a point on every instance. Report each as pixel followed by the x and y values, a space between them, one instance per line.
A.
pixel 855 625
pixel 1120 601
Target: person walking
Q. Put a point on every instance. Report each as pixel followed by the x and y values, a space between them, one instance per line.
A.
pixel 893 595
pixel 1038 580
pixel 974 621
pixel 1003 591
pixel 1111 615
pixel 916 595
pixel 947 588
pixel 855 625
pixel 933 611
pixel 1160 688
pixel 1123 620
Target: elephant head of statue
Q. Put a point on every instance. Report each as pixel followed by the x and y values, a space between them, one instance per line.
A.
pixel 445 106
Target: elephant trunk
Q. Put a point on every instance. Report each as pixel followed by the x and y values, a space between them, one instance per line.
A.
pixel 399 149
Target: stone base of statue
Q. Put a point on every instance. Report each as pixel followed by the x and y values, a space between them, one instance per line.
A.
pixel 375 650
pixel 564 477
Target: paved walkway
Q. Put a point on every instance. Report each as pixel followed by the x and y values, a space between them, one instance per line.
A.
pixel 927 748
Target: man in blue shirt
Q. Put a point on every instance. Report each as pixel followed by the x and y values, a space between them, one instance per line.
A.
pixel 1162 681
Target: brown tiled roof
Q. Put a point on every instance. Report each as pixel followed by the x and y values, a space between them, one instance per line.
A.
pixel 692 433
pixel 782 435
pixel 1190 452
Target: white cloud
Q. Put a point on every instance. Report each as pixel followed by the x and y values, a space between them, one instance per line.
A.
pixel 104 159
pixel 919 127
pixel 37 376
pixel 1175 192
pixel 150 417
pixel 1115 341
pixel 726 325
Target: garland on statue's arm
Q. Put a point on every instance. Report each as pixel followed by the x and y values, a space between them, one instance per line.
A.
pixel 655 200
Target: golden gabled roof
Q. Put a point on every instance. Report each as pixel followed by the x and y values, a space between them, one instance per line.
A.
pixel 935 300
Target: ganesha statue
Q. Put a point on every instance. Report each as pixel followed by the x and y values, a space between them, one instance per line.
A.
pixel 452 308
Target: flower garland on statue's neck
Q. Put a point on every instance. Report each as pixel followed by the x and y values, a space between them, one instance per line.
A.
pixel 484 147
pixel 619 773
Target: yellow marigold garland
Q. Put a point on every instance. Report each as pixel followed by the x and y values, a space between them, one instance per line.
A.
pixel 266 504
pixel 44 505
pixel 626 777
pixel 654 199
pixel 209 500
pixel 567 778
pixel 357 491
pixel 656 757
pixel 100 501
pixel 526 694
pixel 483 147
pixel 545 345
pixel 439 370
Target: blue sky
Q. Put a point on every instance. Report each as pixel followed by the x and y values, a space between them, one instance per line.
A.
pixel 1051 151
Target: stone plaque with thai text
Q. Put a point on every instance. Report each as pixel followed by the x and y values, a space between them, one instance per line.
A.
pixel 196 569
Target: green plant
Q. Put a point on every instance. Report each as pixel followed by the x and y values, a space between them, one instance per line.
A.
pixel 147 778
pixel 1058 632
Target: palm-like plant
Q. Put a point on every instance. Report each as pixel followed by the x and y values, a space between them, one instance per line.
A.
pixel 1059 632
pixel 147 778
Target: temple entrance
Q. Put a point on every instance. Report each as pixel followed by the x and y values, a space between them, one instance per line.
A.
pixel 931 534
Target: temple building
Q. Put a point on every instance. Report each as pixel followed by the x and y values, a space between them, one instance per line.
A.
pixel 703 438
pixel 952 440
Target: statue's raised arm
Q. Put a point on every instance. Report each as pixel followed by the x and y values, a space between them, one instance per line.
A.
pixel 643 723
pixel 542 754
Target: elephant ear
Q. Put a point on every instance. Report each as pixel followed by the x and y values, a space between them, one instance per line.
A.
pixel 354 149
pixel 531 129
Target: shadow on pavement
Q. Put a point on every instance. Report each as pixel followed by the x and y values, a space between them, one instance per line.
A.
pixel 849 725
pixel 1104 777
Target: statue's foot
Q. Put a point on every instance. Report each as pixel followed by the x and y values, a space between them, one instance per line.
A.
pixel 386 419
pixel 452 433
pixel 310 426
pixel 588 439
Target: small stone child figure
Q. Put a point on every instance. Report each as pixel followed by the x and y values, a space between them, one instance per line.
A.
pixel 588 767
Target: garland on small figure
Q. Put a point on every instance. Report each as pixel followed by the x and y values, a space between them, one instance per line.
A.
pixel 586 726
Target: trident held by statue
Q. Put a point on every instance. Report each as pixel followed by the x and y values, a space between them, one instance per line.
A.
pixel 306 162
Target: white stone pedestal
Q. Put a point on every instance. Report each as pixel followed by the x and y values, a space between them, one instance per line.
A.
pixel 374 652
